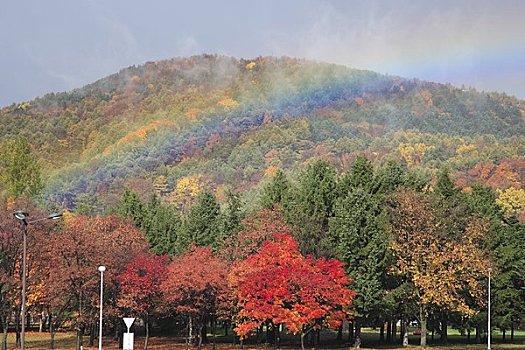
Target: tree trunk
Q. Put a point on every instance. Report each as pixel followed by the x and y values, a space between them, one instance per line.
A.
pixel 278 340
pixel 340 334
pixel 41 324
pixel 302 340
pixel 468 335
pixel 503 334
pixel 270 333
pixel 120 335
pixel 17 328
pixel 394 330
pixel 199 344
pixel 80 335
pixel 444 329
pixel 405 332
pixel 5 326
pixel 423 319
pixel 382 332
pixel 190 332
pixel 225 329
pixel 512 331
pixel 478 334
pixel 92 332
pixel 52 335
pixel 212 324
pixel 146 331
pixel 204 333
pixel 351 332
pixel 389 332
pixel 357 342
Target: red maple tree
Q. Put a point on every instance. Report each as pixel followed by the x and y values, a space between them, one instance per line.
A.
pixel 69 260
pixel 195 284
pixel 140 293
pixel 278 284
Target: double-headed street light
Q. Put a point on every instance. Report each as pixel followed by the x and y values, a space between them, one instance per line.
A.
pixel 22 216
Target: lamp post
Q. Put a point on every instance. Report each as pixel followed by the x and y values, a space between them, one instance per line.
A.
pixel 22 216
pixel 488 326
pixel 101 268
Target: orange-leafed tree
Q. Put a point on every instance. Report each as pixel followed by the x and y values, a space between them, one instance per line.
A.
pixel 140 293
pixel 70 258
pixel 444 267
pixel 256 228
pixel 278 285
pixel 194 286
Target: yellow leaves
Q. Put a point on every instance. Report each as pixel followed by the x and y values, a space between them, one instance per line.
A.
pixel 251 65
pixel 23 106
pixel 463 149
pixel 228 103
pixel 67 216
pixel 270 171
pixel 185 191
pixel 141 134
pixel 192 113
pixel 413 153
pixel 512 200
pixel 135 79
pixel 427 97
pixel 441 268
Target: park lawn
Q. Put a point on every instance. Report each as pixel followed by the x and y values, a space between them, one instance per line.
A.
pixel 35 340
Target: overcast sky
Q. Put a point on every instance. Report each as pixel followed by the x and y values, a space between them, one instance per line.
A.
pixel 58 45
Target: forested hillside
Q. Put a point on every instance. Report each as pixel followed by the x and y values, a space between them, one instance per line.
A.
pixel 173 127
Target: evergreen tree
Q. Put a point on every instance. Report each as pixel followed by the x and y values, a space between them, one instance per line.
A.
pixel 389 178
pixel 202 226
pixel 308 211
pixel 130 206
pixel 357 232
pixel 276 191
pixel 164 231
pixel 232 216
pixel 19 169
pixel 445 187
pixel 361 175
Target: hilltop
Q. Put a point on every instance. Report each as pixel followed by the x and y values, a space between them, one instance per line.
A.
pixel 231 123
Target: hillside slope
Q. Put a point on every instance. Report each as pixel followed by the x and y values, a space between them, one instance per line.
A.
pixel 230 123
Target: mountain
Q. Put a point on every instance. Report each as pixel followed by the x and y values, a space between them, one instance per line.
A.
pixel 232 122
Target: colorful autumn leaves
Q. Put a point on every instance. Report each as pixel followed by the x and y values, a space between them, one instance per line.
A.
pixel 275 285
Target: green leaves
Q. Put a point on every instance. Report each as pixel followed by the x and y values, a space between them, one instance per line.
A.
pixel 19 169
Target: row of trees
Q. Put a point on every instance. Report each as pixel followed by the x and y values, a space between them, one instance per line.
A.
pixel 273 285
pixel 411 248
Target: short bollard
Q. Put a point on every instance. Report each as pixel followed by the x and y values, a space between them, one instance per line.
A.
pixel 128 337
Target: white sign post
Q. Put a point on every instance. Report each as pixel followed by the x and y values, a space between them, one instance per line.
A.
pixel 128 337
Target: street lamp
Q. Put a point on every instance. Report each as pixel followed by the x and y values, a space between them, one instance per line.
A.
pixel 488 326
pixel 22 216
pixel 101 268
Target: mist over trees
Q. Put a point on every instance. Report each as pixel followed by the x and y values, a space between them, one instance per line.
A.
pixel 274 195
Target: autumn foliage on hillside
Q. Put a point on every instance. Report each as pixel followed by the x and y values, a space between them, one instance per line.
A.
pixel 227 121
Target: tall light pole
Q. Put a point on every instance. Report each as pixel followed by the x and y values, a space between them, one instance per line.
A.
pixel 22 216
pixel 488 326
pixel 101 268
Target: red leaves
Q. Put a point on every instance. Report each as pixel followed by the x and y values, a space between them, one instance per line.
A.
pixel 140 283
pixel 195 282
pixel 279 284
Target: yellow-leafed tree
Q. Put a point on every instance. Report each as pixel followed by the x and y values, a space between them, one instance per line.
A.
pixel 443 266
